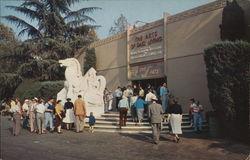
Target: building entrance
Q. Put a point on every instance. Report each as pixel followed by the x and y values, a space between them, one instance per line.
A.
pixel 155 83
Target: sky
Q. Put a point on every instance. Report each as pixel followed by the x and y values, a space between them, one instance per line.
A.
pixel 134 10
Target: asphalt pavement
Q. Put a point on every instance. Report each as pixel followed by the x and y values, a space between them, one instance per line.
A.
pixel 115 146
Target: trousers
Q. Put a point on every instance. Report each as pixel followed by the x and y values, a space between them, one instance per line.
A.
pixel 33 123
pixel 164 103
pixel 48 120
pixel 123 116
pixel 16 124
pixel 25 120
pixel 156 131
pixel 197 121
pixel 140 113
pixel 40 121
pixel 79 123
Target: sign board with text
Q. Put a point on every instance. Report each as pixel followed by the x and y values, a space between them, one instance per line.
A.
pixel 146 45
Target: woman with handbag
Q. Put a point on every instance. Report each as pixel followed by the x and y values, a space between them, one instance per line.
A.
pixel 59 112
pixel 176 119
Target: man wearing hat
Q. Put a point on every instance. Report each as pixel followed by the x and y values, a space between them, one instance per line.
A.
pixel 155 112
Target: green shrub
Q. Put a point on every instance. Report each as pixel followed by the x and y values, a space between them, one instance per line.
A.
pixel 227 68
pixel 44 90
pixel 8 84
pixel 43 70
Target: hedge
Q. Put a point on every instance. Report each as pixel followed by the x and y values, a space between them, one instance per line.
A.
pixel 227 68
pixel 44 90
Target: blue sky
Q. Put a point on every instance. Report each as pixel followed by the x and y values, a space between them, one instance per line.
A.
pixel 133 10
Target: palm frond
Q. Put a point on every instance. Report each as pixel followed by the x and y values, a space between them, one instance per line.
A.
pixel 22 32
pixel 34 3
pixel 62 6
pixel 26 11
pixel 76 23
pixel 31 30
pixel 71 2
pixel 79 14
pixel 84 29
pixel 57 6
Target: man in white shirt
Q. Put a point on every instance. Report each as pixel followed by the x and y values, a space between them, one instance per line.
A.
pixel 150 96
pixel 128 93
pixel 25 109
pixel 148 99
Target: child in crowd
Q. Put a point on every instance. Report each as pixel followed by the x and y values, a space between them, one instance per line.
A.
pixel 91 122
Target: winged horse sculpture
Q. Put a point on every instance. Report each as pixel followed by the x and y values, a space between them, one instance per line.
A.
pixel 90 86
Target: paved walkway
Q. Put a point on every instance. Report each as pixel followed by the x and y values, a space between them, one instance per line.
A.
pixel 107 146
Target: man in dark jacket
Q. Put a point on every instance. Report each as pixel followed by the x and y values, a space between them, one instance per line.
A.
pixel 155 116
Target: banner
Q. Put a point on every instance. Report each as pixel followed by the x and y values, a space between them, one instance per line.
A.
pixel 147 71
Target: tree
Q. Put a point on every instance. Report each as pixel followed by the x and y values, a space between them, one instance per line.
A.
pixel 89 60
pixel 120 25
pixel 57 25
pixel 12 52
pixel 233 25
pixel 6 34
pixel 42 70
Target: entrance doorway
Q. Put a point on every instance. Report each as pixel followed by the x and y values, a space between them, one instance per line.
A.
pixel 155 83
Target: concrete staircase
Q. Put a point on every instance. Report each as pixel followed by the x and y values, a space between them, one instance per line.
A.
pixel 109 122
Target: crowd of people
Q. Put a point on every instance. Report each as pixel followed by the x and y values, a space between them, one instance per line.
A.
pixel 40 116
pixel 153 104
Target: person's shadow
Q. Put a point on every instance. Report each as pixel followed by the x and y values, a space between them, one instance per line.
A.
pixel 144 137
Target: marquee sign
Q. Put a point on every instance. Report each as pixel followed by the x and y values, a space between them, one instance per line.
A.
pixel 147 44
pixel 147 71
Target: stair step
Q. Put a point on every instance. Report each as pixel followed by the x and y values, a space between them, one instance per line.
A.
pixel 136 124
pixel 129 115
pixel 129 119
pixel 109 122
pixel 136 127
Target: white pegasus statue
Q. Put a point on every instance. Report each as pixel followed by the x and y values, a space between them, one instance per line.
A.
pixel 90 86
